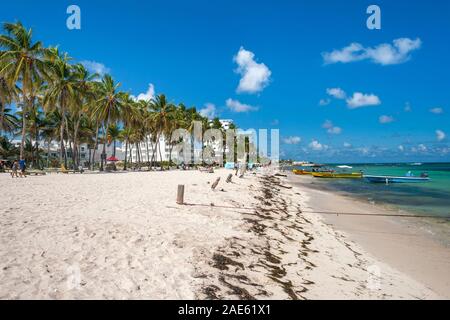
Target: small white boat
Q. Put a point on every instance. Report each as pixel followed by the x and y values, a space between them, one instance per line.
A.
pixel 395 179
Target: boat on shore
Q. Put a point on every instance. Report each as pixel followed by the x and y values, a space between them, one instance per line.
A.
pixel 395 179
pixel 337 175
pixel 310 172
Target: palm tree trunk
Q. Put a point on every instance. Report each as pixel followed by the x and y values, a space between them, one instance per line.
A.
pixel 71 144
pixel 153 152
pixel 89 162
pixel 131 155
pixel 138 155
pixel 148 155
pixel 155 149
pixel 36 145
pixel 48 153
pixel 24 127
pixel 95 146
pixel 160 156
pixel 103 157
pixel 126 154
pixel 75 142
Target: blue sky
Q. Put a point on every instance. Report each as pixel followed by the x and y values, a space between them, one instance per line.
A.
pixel 264 64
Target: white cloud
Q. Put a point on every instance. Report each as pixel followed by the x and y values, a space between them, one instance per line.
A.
pixel 437 110
pixel 353 52
pixel 331 128
pixel 95 67
pixel 440 135
pixel 364 150
pixel 359 100
pixel 401 148
pixel 324 102
pixel 385 119
pixel 237 106
pixel 292 140
pixel 422 148
pixel 209 110
pixel 317 146
pixel 337 93
pixel 254 76
pixel 335 130
pixel 384 54
pixel 407 107
pixel 347 145
pixel 146 96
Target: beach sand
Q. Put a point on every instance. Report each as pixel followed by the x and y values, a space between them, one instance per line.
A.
pixel 122 236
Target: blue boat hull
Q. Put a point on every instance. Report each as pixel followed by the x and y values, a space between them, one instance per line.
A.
pixel 393 179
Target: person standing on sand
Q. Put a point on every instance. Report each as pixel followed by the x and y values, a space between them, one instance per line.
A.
pixel 14 168
pixel 22 166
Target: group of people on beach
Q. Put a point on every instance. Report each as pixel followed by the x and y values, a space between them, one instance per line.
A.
pixel 17 167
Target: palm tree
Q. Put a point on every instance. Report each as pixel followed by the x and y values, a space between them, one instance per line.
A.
pixel 22 61
pixel 36 124
pixel 7 94
pixel 7 149
pixel 163 113
pixel 61 93
pixel 108 106
pixel 131 118
pixel 8 121
pixel 84 100
pixel 125 135
pixel 113 134
pixel 50 130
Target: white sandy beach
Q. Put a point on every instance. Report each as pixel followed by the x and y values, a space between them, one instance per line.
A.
pixel 122 236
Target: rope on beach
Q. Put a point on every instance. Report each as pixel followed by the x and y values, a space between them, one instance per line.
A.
pixel 379 214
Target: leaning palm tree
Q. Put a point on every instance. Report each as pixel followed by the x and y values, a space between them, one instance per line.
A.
pixel 108 106
pixel 61 93
pixel 21 61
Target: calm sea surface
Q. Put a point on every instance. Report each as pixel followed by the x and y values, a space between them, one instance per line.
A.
pixel 431 198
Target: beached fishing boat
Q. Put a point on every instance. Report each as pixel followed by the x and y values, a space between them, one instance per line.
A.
pixel 395 179
pixel 301 172
pixel 310 172
pixel 344 175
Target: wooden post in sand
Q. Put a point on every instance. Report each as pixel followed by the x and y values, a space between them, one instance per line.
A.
pixel 180 194
pixel 214 185
pixel 229 178
pixel 243 169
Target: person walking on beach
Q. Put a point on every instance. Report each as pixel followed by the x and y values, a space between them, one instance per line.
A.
pixel 14 168
pixel 22 166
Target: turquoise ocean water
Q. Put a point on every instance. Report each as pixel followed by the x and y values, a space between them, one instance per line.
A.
pixel 430 198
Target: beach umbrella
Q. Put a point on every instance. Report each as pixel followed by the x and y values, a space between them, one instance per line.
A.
pixel 112 159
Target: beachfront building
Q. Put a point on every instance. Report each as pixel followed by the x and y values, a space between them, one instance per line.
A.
pixel 50 151
pixel 146 150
